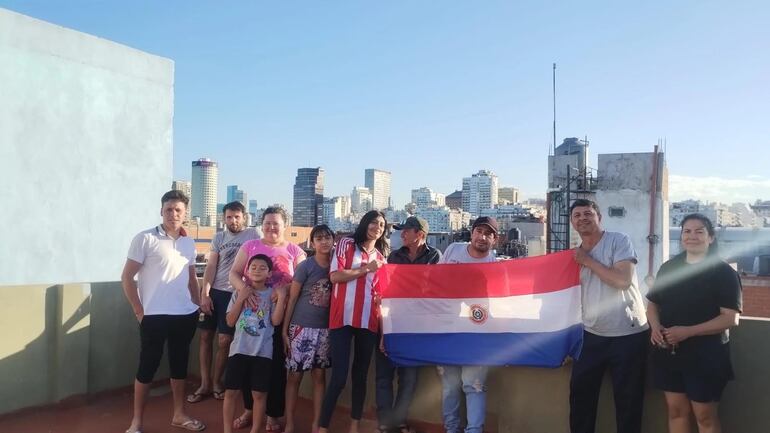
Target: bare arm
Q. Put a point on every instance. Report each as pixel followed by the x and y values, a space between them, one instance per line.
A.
pixel 236 271
pixel 130 269
pixel 294 291
pixel 193 286
pixel 232 316
pixel 653 318
pixel 619 276
pixel 208 280
pixel 280 307
pixel 345 275
pixel 726 319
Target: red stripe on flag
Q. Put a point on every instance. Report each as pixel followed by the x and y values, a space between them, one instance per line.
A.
pixel 532 275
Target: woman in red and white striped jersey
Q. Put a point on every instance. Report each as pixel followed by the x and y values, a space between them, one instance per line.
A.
pixel 354 313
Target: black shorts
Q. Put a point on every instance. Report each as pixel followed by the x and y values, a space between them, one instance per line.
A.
pixel 155 331
pixel 243 369
pixel 701 388
pixel 220 299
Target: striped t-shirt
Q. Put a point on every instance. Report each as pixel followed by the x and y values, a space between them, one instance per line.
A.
pixel 352 302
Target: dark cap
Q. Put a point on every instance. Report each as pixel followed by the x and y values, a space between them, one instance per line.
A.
pixel 413 222
pixel 490 222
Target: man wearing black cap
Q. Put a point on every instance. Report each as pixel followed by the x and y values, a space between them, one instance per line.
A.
pixel 469 379
pixel 392 413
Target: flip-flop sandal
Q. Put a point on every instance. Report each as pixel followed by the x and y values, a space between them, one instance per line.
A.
pixel 273 428
pixel 191 424
pixel 198 396
pixel 241 422
pixel 218 395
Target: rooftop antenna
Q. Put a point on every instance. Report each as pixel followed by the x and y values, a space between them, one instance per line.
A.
pixel 554 108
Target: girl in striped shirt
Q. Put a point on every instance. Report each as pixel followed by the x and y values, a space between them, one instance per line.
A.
pixel 354 314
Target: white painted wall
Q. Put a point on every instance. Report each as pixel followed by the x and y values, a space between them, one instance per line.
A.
pixel 86 144
pixel 625 181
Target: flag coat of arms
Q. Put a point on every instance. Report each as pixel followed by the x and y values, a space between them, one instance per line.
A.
pixel 515 312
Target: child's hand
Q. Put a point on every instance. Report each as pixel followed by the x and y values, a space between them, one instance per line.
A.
pixel 286 345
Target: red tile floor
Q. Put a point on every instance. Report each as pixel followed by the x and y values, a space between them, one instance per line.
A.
pixel 110 412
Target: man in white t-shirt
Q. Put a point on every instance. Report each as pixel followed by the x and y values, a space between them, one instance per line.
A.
pixel 165 298
pixel 615 336
pixel 468 379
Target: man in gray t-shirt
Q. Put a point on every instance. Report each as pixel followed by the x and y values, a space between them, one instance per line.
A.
pixel 615 326
pixel 468 379
pixel 215 297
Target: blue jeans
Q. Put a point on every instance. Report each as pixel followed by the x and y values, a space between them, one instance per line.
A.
pixel 470 380
pixel 392 413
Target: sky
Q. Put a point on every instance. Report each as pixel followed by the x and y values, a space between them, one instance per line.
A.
pixel 434 91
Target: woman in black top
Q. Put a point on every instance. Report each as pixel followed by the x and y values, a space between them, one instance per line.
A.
pixel 695 300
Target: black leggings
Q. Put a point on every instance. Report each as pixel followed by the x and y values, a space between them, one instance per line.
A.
pixel 276 394
pixel 154 331
pixel 340 342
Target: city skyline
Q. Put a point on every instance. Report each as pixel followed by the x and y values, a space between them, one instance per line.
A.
pixel 438 93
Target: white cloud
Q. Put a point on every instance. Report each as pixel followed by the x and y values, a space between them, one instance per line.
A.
pixel 746 190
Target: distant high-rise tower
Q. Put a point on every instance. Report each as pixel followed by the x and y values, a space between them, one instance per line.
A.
pixel 378 182
pixel 235 194
pixel 360 199
pixel 308 197
pixel 205 175
pixel 479 192
pixel 186 188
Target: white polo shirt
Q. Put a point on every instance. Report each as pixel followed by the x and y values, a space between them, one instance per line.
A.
pixel 163 279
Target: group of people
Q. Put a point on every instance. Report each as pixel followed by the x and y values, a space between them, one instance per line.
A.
pixel 277 314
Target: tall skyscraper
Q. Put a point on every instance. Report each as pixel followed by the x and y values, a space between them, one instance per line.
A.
pixel 186 188
pixel 253 206
pixel 205 179
pixel 308 197
pixel 360 199
pixel 479 192
pixel 378 182
pixel 235 194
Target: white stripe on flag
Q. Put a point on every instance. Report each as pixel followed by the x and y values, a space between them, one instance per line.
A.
pixel 545 312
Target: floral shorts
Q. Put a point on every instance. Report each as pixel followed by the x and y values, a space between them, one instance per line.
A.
pixel 309 348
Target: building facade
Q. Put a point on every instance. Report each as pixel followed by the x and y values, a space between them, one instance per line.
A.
pixel 479 192
pixel 426 197
pixel 186 188
pixel 507 195
pixel 235 194
pixel 378 182
pixel 205 180
pixel 308 197
pixel 360 200
pixel 454 200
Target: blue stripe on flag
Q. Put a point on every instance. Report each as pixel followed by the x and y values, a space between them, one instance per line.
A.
pixel 541 349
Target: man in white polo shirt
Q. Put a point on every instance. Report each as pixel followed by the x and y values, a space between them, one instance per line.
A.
pixel 165 298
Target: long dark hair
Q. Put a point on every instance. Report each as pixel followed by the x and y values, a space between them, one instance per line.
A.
pixel 359 236
pixel 714 247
